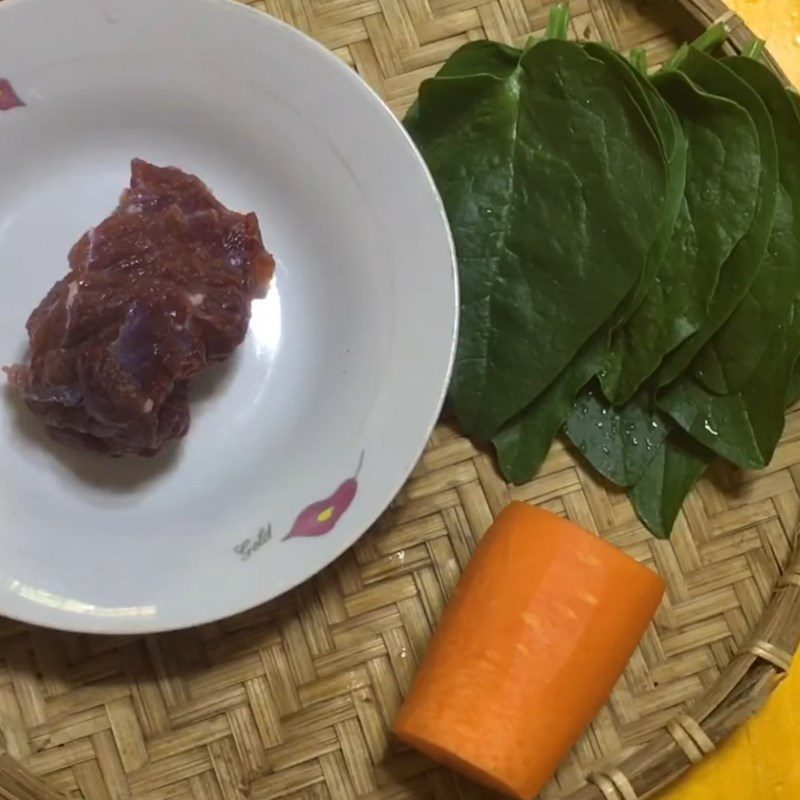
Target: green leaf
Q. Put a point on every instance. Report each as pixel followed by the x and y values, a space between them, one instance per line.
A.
pixel 523 442
pixel 472 59
pixel 669 477
pixel 793 391
pixel 667 128
pixel 741 268
pixel 553 183
pixel 481 58
pixel 618 442
pixel 744 426
pixel 716 211
pixel 727 362
pixel 794 98
pixel 680 462
pixel 658 497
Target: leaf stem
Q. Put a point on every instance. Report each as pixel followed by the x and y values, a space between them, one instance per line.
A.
pixel 638 59
pixel 708 40
pixel 677 59
pixel 558 22
pixel 755 49
pixel 711 38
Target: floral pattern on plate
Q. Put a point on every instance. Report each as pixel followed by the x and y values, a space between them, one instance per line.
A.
pixel 321 517
pixel 316 519
pixel 8 97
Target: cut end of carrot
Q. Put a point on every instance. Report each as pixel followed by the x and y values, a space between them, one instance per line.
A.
pixel 447 757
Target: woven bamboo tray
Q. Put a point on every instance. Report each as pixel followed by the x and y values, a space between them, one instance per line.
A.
pixel 293 700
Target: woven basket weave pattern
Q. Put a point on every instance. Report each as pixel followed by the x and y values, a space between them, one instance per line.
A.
pixel 294 699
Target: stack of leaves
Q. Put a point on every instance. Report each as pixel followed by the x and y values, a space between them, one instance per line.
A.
pixel 629 255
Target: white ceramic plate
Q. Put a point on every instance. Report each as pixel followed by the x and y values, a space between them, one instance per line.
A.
pixel 312 428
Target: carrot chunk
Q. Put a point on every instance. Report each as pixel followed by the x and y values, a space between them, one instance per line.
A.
pixel 538 631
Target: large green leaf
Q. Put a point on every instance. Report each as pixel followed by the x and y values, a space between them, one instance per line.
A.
pixel 677 466
pixel 729 359
pixel 523 442
pixel 793 390
pixel 664 121
pixel 741 268
pixel 680 462
pixel 717 210
pixel 744 425
pixel 620 442
pixel 553 182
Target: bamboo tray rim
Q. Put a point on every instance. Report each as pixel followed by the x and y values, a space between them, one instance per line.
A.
pixel 692 735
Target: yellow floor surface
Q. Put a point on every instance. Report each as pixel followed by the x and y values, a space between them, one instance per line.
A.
pixel 761 761
pixel 778 22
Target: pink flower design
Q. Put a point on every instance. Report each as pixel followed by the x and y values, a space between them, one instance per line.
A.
pixel 321 517
pixel 8 97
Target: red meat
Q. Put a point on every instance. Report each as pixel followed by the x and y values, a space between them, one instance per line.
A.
pixel 155 293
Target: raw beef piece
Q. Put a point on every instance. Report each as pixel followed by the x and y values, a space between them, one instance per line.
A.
pixel 156 292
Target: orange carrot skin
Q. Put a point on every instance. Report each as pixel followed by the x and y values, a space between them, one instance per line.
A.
pixel 538 631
